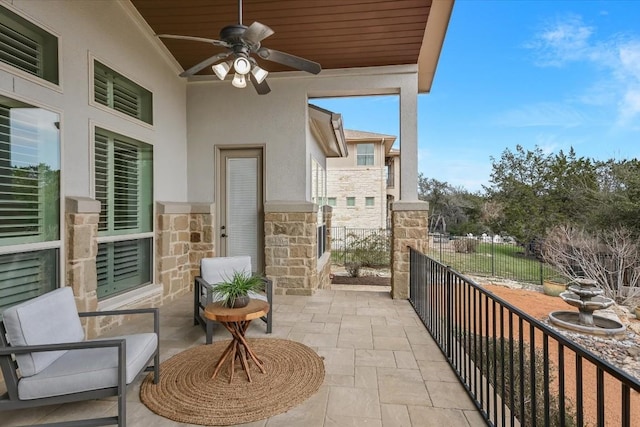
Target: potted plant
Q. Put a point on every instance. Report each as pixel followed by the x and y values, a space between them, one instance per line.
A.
pixel 553 288
pixel 234 291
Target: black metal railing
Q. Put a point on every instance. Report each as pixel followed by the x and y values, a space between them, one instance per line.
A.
pixel 517 370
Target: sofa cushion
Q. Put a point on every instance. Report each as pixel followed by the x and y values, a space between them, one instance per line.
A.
pixel 89 369
pixel 216 270
pixel 48 319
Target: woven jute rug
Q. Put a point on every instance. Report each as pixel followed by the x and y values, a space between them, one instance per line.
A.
pixel 187 394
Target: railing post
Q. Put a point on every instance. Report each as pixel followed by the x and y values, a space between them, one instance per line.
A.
pixel 493 259
pixel 449 305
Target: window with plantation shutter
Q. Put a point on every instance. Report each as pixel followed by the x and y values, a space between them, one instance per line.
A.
pixel 27 47
pixel 29 201
pixel 26 275
pixel 123 174
pixel 121 94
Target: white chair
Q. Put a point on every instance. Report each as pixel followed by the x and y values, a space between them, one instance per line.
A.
pixel 55 364
pixel 216 270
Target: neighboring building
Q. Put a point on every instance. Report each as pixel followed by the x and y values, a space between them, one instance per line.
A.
pixel 117 176
pixel 362 185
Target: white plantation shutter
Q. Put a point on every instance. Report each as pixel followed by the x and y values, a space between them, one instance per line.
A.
pixel 27 47
pixel 117 92
pixel 101 175
pixel 243 207
pixel 20 201
pixel 26 275
pixel 123 175
pixel 126 203
pixel 20 51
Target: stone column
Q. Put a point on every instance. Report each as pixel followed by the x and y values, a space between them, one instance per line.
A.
pixel 183 237
pixel 291 259
pixel 324 263
pixel 409 228
pixel 81 232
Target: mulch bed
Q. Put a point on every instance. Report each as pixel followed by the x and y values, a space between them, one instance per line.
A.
pixel 365 280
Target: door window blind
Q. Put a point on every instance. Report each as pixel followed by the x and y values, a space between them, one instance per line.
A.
pixel 242 218
pixel 26 275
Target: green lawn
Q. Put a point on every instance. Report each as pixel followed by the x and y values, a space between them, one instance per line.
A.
pixel 496 260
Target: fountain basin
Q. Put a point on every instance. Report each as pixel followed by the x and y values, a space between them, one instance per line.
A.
pixel 590 304
pixel 601 325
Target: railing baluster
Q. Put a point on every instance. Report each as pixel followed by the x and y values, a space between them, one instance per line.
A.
pixel 462 318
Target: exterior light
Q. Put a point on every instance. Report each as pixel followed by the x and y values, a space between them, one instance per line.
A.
pixel 239 81
pixel 221 69
pixel 259 74
pixel 242 65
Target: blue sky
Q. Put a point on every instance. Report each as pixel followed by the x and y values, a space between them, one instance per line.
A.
pixel 553 74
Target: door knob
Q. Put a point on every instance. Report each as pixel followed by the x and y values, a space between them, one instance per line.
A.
pixel 223 235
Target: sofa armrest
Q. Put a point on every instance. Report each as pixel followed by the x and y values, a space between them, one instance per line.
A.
pixel 120 343
pixel 155 311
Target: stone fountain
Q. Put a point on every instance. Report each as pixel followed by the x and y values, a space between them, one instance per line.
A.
pixel 587 297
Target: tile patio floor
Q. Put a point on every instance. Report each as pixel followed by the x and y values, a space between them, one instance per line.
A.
pixel 382 367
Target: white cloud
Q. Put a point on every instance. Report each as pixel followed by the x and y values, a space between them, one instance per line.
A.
pixel 561 41
pixel 616 58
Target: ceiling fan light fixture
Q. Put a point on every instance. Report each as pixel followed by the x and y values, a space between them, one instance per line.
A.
pixel 221 69
pixel 239 81
pixel 259 73
pixel 242 65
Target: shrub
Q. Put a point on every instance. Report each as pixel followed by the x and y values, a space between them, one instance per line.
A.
pixel 497 354
pixel 465 246
pixel 372 250
pixel 353 268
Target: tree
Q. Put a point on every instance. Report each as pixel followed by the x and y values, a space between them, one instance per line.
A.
pixel 451 208
pixel 531 192
pixel 611 258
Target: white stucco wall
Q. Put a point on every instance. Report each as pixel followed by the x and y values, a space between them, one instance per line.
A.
pixel 109 32
pixel 219 114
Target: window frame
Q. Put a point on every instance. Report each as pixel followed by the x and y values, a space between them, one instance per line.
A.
pixel 364 157
pixel 93 60
pixel 58 245
pixel 351 201
pixel 37 27
pixel 369 199
pixel 332 201
pixel 115 236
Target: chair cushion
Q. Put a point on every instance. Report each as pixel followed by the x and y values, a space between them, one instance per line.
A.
pixel 89 369
pixel 219 269
pixel 48 319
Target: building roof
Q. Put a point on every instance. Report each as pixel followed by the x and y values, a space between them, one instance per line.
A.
pixel 352 135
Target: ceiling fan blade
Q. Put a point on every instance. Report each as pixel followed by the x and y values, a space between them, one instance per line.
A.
pixel 195 39
pixel 262 88
pixel 256 33
pixel 215 58
pixel 289 60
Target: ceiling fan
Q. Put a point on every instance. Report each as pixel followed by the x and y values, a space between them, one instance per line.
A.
pixel 241 42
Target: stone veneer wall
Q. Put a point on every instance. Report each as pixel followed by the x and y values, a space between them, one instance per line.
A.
pixel 409 228
pixel 184 235
pixel 81 231
pixel 360 182
pixel 290 242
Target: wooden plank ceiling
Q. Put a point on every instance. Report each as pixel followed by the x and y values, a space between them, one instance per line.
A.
pixel 334 33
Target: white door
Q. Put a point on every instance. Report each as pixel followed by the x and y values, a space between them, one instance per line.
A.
pixel 241 225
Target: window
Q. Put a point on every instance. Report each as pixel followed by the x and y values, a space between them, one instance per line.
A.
pixel 369 201
pixel 351 201
pixel 319 197
pixel 333 201
pixel 28 47
pixel 365 154
pixel 118 92
pixel 123 176
pixel 29 201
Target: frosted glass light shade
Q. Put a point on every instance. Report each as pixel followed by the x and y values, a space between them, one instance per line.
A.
pixel 259 74
pixel 221 69
pixel 239 81
pixel 242 65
